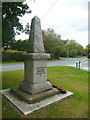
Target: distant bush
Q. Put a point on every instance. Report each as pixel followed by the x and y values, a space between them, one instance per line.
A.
pixel 89 56
pixel 11 55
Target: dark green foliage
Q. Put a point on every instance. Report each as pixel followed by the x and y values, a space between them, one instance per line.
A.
pixel 11 11
pixel 88 50
pixel 21 45
pixel 27 29
pixel 10 55
pixel 88 56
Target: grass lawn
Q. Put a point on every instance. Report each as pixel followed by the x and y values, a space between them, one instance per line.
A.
pixel 11 62
pixel 69 78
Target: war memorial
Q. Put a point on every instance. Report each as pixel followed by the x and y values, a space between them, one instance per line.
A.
pixel 34 92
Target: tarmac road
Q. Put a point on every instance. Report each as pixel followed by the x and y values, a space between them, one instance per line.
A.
pixel 64 62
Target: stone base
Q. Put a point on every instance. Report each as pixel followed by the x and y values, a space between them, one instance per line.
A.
pixel 26 108
pixel 35 88
pixel 33 98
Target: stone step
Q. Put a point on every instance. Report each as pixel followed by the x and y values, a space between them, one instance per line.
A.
pixel 33 98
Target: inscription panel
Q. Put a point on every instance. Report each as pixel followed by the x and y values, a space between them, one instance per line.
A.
pixel 40 70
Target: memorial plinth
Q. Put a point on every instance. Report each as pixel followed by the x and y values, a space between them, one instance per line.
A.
pixel 35 73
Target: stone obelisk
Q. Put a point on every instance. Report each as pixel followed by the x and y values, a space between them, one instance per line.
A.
pixel 35 91
pixel 35 62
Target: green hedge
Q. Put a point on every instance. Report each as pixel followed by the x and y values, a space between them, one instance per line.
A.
pixel 10 55
pixel 88 56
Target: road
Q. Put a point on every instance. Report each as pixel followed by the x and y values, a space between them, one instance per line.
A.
pixel 64 62
pixel 85 64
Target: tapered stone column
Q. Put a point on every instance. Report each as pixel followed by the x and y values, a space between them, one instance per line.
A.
pixel 35 62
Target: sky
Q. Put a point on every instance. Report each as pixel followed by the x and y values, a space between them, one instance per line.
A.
pixel 69 18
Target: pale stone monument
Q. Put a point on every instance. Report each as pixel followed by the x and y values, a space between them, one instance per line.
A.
pixel 34 91
pixel 35 86
pixel 35 71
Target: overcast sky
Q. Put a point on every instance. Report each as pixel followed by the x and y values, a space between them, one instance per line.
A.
pixel 69 18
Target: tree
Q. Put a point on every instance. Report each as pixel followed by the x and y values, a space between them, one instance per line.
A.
pixel 53 43
pixel 11 11
pixel 88 50
pixel 20 45
pixel 74 49
pixel 58 51
pixel 27 29
pixel 65 41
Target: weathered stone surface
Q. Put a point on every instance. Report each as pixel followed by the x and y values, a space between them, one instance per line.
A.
pixel 27 108
pixel 35 76
pixel 35 88
pixel 35 71
pixel 35 62
pixel 36 40
pixel 34 98
pixel 42 56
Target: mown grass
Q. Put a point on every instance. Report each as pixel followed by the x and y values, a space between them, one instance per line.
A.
pixel 11 62
pixel 69 78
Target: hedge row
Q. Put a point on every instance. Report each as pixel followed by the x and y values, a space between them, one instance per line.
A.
pixel 10 55
pixel 88 56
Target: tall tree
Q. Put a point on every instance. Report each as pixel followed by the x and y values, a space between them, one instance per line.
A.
pixel 11 11
pixel 20 45
pixel 88 50
pixel 27 29
pixel 53 43
pixel 74 49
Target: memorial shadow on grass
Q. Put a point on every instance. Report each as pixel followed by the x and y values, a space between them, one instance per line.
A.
pixel 69 78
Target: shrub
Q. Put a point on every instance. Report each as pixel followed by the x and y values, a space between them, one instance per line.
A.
pixel 10 55
pixel 89 56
